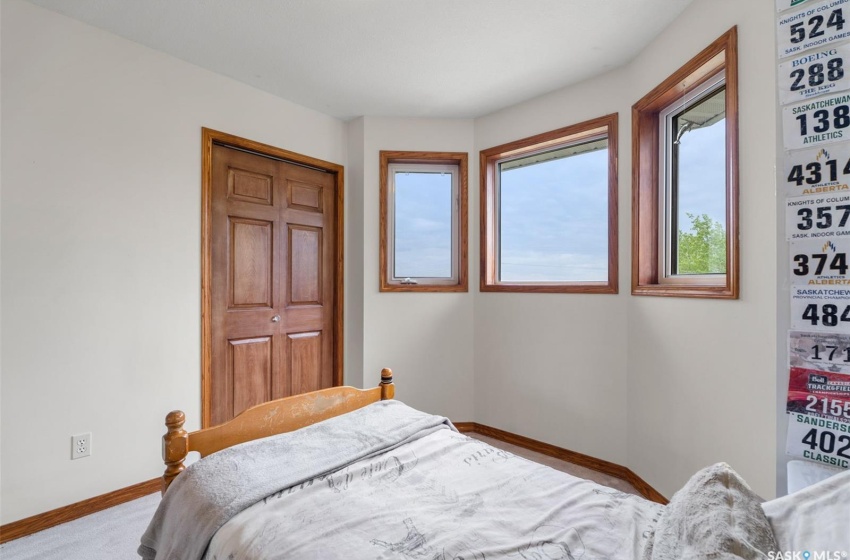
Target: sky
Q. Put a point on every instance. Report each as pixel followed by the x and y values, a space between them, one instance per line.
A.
pixel 553 215
pixel 554 220
pixel 423 225
pixel 702 173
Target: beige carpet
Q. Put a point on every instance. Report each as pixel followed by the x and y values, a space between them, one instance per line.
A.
pixel 569 468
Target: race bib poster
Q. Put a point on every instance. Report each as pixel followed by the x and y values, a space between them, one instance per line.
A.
pixel 819 439
pixel 820 308
pixel 816 24
pixel 818 171
pixel 813 74
pixel 818 409
pixel 813 39
pixel 786 4
pixel 819 393
pixel 823 351
pixel 817 216
pixel 820 262
pixel 816 122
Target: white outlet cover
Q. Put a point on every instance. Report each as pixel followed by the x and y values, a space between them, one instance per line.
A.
pixel 80 445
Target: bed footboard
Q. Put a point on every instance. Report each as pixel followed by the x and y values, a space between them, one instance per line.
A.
pixel 266 419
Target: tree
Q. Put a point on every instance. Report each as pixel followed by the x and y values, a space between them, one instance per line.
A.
pixel 702 250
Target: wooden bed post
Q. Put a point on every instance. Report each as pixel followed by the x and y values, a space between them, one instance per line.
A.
pixel 175 447
pixel 387 387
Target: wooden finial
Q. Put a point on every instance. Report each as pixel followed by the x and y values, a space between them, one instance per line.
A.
pixel 387 387
pixel 175 447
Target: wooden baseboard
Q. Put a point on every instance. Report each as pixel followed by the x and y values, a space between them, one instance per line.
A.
pixel 599 465
pixel 30 525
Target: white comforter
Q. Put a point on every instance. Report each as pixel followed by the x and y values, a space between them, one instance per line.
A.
pixel 443 496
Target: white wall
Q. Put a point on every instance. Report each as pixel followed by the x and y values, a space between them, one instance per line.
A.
pixel 702 375
pixel 353 359
pixel 427 338
pixel 101 246
pixel 553 366
pixel 662 385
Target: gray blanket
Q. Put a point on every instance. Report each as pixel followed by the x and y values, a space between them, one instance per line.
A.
pixel 444 496
pixel 212 491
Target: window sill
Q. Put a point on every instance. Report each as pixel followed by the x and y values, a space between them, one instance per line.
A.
pixel 387 287
pixel 543 288
pixel 686 290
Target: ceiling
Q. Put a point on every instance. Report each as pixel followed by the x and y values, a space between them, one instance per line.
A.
pixel 413 58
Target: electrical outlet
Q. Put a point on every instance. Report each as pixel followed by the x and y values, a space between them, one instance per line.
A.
pixel 81 445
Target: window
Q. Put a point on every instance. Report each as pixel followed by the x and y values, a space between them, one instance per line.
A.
pixel 685 180
pixel 549 211
pixel 423 222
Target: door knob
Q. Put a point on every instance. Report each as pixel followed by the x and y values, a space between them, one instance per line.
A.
pixel 276 318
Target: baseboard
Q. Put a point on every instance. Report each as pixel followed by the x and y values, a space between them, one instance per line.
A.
pixel 30 525
pixel 599 465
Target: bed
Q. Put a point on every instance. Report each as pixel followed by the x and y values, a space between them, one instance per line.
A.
pixel 345 473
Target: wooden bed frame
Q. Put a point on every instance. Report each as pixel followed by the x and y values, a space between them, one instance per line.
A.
pixel 266 419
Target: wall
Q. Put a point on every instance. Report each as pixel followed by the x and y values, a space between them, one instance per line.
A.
pixel 1 249
pixel 702 374
pixel 101 246
pixel 553 366
pixel 427 338
pixel 354 255
pixel 663 385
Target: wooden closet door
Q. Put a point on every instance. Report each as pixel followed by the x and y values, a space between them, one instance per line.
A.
pixel 272 280
pixel 307 283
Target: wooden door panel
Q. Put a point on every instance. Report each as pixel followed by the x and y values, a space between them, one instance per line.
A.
pixel 304 196
pixel 249 372
pixel 250 263
pixel 304 266
pixel 304 357
pixel 250 186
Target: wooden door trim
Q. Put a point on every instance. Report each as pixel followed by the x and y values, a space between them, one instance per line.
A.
pixel 209 138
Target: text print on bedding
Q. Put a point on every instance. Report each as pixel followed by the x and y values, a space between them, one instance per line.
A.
pixel 496 455
pixel 808 555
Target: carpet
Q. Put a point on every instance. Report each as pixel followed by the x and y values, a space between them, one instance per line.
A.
pixel 111 534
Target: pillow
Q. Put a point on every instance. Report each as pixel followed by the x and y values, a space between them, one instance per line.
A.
pixel 714 516
pixel 816 518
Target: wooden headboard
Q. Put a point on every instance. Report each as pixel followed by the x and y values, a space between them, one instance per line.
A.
pixel 266 419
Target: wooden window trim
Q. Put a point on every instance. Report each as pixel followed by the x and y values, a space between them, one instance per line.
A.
pixel 722 54
pixel 489 281
pixel 461 159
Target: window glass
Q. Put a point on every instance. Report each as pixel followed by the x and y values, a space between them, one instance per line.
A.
pixel 423 224
pixel 697 188
pixel 553 215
